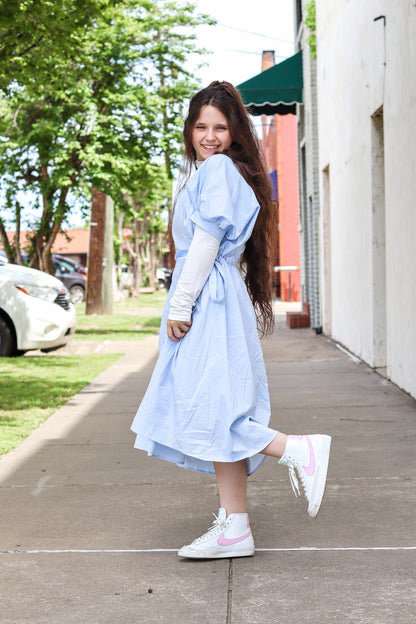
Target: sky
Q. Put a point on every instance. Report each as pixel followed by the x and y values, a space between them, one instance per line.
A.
pixel 242 33
pixel 236 43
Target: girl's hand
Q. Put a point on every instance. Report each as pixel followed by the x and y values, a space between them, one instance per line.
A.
pixel 178 329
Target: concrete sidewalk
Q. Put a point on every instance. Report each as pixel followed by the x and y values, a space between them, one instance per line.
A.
pixel 89 527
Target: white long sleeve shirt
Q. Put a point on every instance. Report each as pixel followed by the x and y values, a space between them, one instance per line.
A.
pixel 196 269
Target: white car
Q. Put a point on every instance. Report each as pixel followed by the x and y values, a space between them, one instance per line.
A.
pixel 35 311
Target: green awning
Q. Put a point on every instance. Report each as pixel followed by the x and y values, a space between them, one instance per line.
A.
pixel 276 90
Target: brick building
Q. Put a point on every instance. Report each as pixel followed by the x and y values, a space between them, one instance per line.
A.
pixel 279 143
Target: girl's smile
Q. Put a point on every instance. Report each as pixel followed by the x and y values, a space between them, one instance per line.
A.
pixel 210 134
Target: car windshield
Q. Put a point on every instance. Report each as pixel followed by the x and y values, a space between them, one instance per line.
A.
pixel 66 266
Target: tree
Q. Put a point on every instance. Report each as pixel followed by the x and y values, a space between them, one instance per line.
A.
pixel 145 217
pixel 310 22
pixel 85 103
pixel 168 49
pixel 31 34
pixel 30 29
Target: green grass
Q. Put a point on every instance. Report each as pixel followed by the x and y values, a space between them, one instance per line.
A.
pixel 32 388
pixel 126 323
pixel 116 326
pixel 146 300
pixel 154 300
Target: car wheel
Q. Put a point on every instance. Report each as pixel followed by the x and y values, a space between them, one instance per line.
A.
pixel 6 339
pixel 77 294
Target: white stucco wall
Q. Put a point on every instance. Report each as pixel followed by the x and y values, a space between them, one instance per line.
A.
pixel 368 267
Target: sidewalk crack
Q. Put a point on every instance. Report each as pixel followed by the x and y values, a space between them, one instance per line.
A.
pixel 229 592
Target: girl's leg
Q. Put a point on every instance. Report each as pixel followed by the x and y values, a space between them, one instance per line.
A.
pixel 230 534
pixel 277 446
pixel 232 477
pixel 232 485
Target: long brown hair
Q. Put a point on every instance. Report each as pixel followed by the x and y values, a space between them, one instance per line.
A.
pixel 246 154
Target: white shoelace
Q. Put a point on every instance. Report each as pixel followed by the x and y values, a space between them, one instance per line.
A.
pixel 294 482
pixel 217 524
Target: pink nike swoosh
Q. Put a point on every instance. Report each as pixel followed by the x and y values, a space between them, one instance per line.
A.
pixel 224 541
pixel 311 468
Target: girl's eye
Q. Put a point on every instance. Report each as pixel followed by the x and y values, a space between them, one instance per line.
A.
pixel 222 128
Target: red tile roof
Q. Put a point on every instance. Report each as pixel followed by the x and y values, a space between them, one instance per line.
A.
pixel 78 242
pixel 73 241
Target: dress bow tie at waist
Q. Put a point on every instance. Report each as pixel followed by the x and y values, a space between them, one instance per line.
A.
pixel 217 283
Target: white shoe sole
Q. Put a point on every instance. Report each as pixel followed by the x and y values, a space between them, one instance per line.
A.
pixel 320 479
pixel 191 553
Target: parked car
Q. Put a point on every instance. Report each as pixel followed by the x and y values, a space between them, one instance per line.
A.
pixel 75 265
pixel 4 259
pixel 72 275
pixel 126 276
pixel 164 277
pixel 35 311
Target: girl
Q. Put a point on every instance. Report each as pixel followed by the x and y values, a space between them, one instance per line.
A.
pixel 207 405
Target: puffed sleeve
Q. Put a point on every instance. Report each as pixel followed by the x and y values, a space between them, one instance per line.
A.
pixel 226 205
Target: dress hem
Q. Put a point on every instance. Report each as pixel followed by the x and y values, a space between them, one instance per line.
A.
pixel 190 462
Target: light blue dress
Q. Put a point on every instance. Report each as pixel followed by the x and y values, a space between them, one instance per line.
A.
pixel 208 397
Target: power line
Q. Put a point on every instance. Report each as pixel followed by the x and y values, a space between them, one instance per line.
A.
pixel 250 52
pixel 249 32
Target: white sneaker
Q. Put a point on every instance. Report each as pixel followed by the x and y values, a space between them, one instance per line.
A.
pixel 307 457
pixel 228 537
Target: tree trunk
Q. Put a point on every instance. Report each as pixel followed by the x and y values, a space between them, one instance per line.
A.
pixel 152 262
pixel 18 253
pixel 56 228
pixel 120 221
pixel 108 258
pixel 137 261
pixel 6 243
pixel 171 243
pixel 46 252
pixel 95 255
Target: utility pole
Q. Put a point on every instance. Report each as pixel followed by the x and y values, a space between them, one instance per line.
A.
pixel 108 259
pixel 96 252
